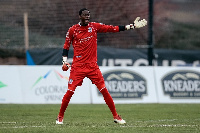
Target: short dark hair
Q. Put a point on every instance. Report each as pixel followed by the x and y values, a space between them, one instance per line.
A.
pixel 83 9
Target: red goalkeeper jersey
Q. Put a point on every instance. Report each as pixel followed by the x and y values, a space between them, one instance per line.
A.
pixel 84 40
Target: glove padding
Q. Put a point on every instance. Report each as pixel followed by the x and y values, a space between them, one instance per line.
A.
pixel 139 24
pixel 65 66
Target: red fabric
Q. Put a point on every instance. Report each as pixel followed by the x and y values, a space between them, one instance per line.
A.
pixel 65 102
pixel 109 101
pixel 84 40
pixel 80 71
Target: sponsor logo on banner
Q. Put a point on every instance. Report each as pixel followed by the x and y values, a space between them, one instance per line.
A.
pixel 182 84
pixel 125 84
pixel 2 85
pixel 51 86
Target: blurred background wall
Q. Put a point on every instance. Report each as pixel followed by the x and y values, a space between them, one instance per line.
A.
pixel 176 24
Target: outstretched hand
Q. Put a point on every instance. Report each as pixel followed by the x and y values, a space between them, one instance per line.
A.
pixel 139 23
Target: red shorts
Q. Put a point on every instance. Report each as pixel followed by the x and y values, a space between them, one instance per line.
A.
pixel 80 71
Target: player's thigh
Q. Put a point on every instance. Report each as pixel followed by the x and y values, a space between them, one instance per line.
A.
pixel 75 79
pixel 96 77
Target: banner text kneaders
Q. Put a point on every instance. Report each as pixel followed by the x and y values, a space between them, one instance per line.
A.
pixel 183 84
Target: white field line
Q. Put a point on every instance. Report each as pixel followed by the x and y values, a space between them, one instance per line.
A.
pixel 164 125
pixel 165 120
pixel 12 122
pixel 123 126
pixel 158 120
pixel 23 127
pixel 136 126
pixel 170 125
pixel 160 125
pixel 177 125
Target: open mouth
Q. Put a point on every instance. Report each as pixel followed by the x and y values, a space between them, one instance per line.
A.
pixel 87 20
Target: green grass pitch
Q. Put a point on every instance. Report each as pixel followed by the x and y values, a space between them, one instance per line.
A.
pixel 96 118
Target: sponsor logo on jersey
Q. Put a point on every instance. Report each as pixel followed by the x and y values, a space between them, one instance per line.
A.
pixel 182 84
pixel 125 84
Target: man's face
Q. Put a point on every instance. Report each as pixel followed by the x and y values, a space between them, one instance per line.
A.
pixel 84 17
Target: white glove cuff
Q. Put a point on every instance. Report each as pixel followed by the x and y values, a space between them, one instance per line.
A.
pixel 64 59
pixel 130 26
pixel 127 27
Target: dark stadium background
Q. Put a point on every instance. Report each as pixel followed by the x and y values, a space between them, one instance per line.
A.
pixel 176 24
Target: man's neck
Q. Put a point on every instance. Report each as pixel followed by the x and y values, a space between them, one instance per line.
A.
pixel 82 24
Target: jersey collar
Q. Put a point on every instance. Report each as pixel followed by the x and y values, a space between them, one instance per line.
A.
pixel 79 23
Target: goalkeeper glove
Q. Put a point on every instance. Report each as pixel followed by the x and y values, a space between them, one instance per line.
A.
pixel 65 65
pixel 137 24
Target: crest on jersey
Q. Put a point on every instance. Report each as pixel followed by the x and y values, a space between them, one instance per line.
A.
pixel 90 29
pixel 70 81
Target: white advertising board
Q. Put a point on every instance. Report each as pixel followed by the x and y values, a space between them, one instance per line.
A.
pixel 178 84
pixel 10 85
pixel 48 84
pixel 127 85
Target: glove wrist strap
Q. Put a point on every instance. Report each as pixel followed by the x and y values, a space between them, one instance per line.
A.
pixel 64 59
pixel 130 26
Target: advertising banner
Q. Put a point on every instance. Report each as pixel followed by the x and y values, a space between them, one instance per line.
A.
pixel 10 85
pixel 178 84
pixel 127 85
pixel 48 84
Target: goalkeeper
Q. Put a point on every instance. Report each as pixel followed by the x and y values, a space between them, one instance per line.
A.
pixel 83 37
